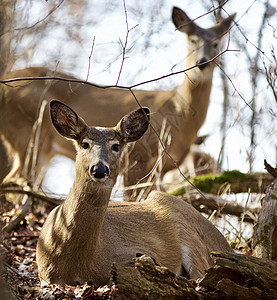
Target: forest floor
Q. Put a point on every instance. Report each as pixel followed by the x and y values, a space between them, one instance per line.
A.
pixel 18 253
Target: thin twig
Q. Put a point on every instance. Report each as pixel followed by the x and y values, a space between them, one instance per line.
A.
pixel 90 56
pixel 37 136
pixel 124 47
pixel 17 273
pixel 20 216
pixel 167 153
pixel 205 14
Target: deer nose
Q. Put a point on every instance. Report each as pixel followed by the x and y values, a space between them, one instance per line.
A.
pixel 100 171
pixel 202 63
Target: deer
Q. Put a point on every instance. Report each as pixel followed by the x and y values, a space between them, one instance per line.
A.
pixel 83 236
pixel 184 108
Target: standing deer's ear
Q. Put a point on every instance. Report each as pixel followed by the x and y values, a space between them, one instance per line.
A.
pixel 223 26
pixel 182 22
pixel 65 120
pixel 133 126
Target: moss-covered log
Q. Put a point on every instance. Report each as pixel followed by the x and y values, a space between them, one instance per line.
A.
pixel 229 181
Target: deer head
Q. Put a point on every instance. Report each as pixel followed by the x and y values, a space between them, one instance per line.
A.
pixel 203 44
pixel 98 148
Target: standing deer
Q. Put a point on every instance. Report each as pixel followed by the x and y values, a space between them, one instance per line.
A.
pixel 184 107
pixel 83 236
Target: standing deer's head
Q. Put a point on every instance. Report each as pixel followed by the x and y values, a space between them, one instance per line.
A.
pixel 203 44
pixel 98 148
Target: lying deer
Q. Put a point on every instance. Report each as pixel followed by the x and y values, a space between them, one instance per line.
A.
pixel 184 107
pixel 83 236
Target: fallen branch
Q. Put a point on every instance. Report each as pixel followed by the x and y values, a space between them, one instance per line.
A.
pixel 17 273
pixel 210 202
pixel 50 200
pixel 28 195
pixel 19 216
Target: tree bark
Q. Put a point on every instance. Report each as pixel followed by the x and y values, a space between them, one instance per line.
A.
pixel 265 231
pixel 239 276
pixel 6 21
pixel 234 276
pixel 146 280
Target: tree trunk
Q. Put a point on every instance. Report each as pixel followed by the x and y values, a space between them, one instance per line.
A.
pixel 265 231
pixel 6 21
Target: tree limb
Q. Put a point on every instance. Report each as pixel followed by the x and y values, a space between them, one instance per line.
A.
pixel 210 202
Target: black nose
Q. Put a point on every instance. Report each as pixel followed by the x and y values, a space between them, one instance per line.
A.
pixel 100 171
pixel 202 63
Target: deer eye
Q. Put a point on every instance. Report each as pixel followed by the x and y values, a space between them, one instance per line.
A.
pixel 215 44
pixel 115 147
pixel 194 39
pixel 85 145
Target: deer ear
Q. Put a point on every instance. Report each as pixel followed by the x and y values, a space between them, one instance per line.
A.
pixel 224 25
pixel 65 120
pixel 133 126
pixel 182 22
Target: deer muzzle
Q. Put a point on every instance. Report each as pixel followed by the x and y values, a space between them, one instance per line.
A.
pixel 203 63
pixel 99 171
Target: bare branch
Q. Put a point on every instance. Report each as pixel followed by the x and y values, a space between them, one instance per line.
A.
pixel 8 81
pixel 124 46
pixel 90 56
pixel 19 216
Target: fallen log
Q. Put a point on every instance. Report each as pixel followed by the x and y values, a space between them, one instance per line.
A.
pixel 239 276
pixel 144 279
pixel 228 181
pixel 234 276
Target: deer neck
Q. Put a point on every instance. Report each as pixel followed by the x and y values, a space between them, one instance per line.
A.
pixel 194 93
pixel 84 212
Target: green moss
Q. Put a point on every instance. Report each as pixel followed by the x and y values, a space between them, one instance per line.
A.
pixel 234 244
pixel 211 183
pixel 206 182
pixel 178 192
